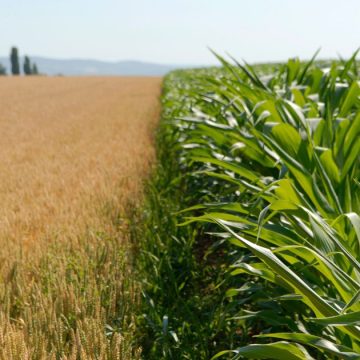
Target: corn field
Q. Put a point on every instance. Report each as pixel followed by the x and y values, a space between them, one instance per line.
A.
pixel 270 157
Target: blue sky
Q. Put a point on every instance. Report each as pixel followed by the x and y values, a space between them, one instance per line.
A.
pixel 179 31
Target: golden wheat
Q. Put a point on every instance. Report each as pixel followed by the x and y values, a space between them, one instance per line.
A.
pixel 73 153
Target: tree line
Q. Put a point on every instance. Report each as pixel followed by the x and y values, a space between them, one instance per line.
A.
pixel 29 68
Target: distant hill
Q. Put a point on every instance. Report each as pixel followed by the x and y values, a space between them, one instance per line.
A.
pixel 83 67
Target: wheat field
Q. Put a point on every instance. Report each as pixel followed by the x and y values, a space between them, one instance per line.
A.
pixel 73 155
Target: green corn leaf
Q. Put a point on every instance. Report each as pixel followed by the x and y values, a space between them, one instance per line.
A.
pixel 318 304
pixel 281 350
pixel 324 345
pixel 339 320
pixel 352 96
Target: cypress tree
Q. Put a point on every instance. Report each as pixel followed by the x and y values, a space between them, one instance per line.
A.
pixel 34 69
pixel 27 66
pixel 14 59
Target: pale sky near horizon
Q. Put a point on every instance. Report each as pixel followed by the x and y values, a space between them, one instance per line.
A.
pixel 180 31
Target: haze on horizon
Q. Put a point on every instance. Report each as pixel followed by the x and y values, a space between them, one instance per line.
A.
pixel 179 31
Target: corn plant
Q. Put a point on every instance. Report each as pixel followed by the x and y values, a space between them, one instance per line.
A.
pixel 280 154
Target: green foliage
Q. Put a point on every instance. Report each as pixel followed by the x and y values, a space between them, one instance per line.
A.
pixel 271 158
pixel 183 310
pixel 14 59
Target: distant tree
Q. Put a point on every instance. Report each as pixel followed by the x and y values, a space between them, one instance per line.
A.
pixel 34 69
pixel 27 66
pixel 14 59
pixel 2 70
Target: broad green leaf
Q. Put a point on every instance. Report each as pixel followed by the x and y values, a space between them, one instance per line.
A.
pixel 349 319
pixel 317 342
pixel 281 350
pixel 318 304
pixel 330 166
pixel 287 138
pixel 351 97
